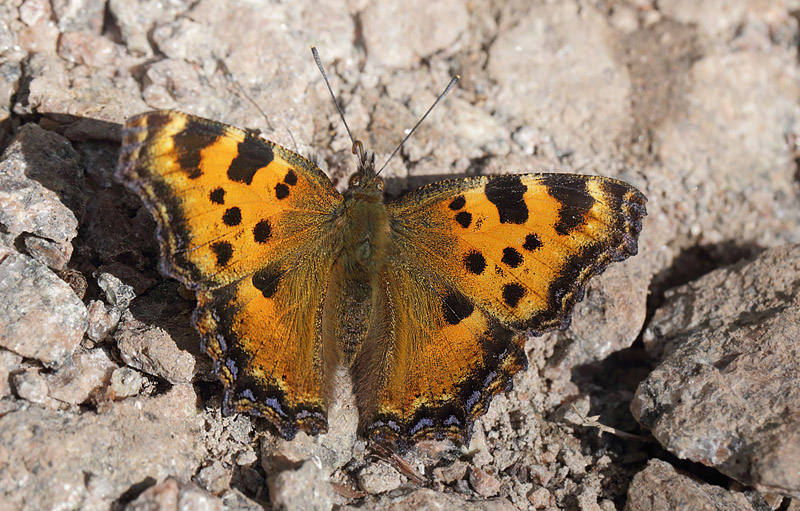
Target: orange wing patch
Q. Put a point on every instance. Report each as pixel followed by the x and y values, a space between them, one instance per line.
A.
pixel 248 225
pixel 435 369
pixel 225 200
pixel 264 331
pixel 523 246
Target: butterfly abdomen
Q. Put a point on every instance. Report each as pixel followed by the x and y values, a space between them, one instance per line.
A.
pixel 350 298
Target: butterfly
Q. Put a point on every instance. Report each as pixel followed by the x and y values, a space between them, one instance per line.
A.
pixel 427 299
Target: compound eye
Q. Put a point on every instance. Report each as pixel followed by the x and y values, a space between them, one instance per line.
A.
pixel 355 180
pixel 379 185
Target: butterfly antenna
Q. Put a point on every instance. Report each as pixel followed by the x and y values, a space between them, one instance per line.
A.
pixel 447 89
pixel 357 148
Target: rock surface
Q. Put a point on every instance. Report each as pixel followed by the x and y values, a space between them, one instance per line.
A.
pixel 39 199
pixel 660 487
pixel 69 459
pixel 40 315
pixel 727 393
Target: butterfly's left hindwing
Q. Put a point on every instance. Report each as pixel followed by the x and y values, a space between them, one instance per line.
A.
pixel 251 227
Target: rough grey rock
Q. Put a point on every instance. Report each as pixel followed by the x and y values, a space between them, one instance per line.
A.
pixel 102 320
pixel 89 372
pixel 727 393
pixel 38 193
pixel 724 296
pixel 378 478
pixel 31 386
pixel 9 362
pixel 306 488
pixel 215 478
pixel 117 293
pixel 172 495
pixel 126 382
pixel 152 350
pixel 57 455
pixel 79 15
pixel 694 102
pixel 332 449
pixel 660 487
pixel 484 483
pixel 40 316
pixel 555 68
pixel 429 499
pixel 399 37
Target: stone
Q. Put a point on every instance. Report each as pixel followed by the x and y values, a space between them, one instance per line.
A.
pixel 38 193
pixel 9 362
pixel 172 495
pixel 307 487
pixel 117 293
pixel 425 498
pixel 236 500
pixel 40 316
pixel 152 350
pixel 31 386
pixel 332 449
pixel 215 478
pixel 484 483
pixel 102 320
pixel 126 382
pixel 555 68
pixel 75 383
pixel 400 35
pixel 79 15
pixel 735 106
pixel 660 487
pixel 70 458
pixel 378 478
pixel 451 473
pixel 730 346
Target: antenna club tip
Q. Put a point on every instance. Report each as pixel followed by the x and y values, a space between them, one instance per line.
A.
pixel 457 77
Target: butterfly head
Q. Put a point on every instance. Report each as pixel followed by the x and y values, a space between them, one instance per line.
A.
pixel 365 184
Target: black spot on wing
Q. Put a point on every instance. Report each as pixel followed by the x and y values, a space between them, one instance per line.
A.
pixel 232 216
pixel 456 307
pixel 457 203
pixel 532 242
pixel 507 193
pixel 217 196
pixel 512 294
pixel 573 195
pixel 267 280
pixel 223 251
pixel 291 178
pixel 253 154
pixel 262 231
pixel 464 219
pixel 188 143
pixel 475 262
pixel 281 191
pixel 511 257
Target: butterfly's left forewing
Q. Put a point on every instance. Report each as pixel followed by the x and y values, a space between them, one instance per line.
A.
pixel 474 264
pixel 251 227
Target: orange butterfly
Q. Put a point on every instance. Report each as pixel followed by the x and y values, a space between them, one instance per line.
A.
pixel 427 299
